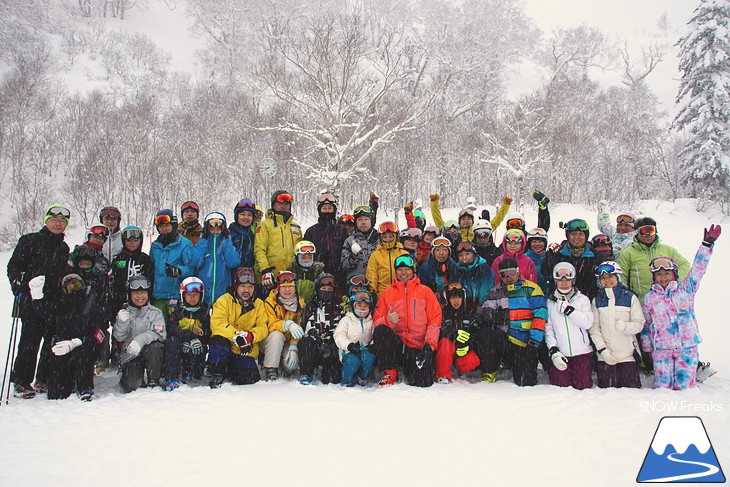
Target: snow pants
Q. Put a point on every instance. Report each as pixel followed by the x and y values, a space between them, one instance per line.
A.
pixel 446 356
pixel 391 353
pixel 314 352
pixel 150 359
pixel 490 345
pixel 624 374
pixel 275 348
pixel 360 364
pixel 524 368
pixel 34 329
pixel 675 368
pixel 241 368
pixel 578 374
pixel 71 372
pixel 177 361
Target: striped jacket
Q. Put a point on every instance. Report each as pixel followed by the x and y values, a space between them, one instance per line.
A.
pixel 527 314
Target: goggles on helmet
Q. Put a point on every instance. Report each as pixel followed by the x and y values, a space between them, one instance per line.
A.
pixel 190 205
pixel 286 277
pixel 404 261
pixel 576 225
pixel 515 223
pixel 214 222
pixel 138 283
pixel 162 219
pixel 564 274
pixel 110 213
pixel 100 231
pixel 483 233
pixel 625 219
pixel 388 227
pixel 509 273
pixel 465 246
pixel 193 287
pixel 85 252
pixel 608 268
pixel 359 281
pixel 58 211
pixel 306 249
pixel 514 236
pixel 284 198
pixel 245 276
pixel 441 242
pixel 601 240
pixel 413 233
pixel 647 230
pixel 361 297
pixel 347 218
pixel 327 198
pixel 245 205
pixel 662 263
pixel 131 233
pixel 362 210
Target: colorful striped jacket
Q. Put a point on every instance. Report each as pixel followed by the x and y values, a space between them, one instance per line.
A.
pixel 527 315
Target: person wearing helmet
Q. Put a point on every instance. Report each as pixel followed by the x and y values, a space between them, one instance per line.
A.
pixel 317 348
pixel 603 247
pixel 566 331
pixel 173 260
pixel 617 318
pixel 276 238
pixel 670 331
pixel 238 325
pixel 454 347
pixel 407 322
pixel 36 267
pixel 327 235
pixel 359 246
pixel 380 270
pixel 190 227
pixel 513 247
pixel 466 233
pixel 622 235
pixel 96 236
pixel 410 238
pixel 284 308
pixel 635 259
pixel 450 230
pixel 111 217
pixel 243 231
pixel 188 332
pixel 576 250
pixel 140 329
pixel 215 257
pixel 537 242
pixel 473 273
pixel 424 245
pixel 348 222
pixel 435 270
pixel 353 336
pixel 484 241
pixel 306 268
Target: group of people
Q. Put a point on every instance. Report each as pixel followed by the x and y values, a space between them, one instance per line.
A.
pixel 258 298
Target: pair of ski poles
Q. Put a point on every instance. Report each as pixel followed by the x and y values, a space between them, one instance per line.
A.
pixel 10 358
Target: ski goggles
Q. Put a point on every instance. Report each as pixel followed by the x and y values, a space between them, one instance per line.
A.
pixel 625 219
pixel 306 249
pixel 515 223
pixel 190 205
pixel 359 281
pixel 214 222
pixel 576 225
pixel 162 219
pixel 601 240
pixel 100 231
pixel 450 225
pixel 431 229
pixel 404 261
pixel 110 213
pixel 245 275
pixel 362 210
pixel 131 234
pixel 647 231
pixel 514 236
pixel 58 210
pixel 412 233
pixel 327 281
pixel 138 283
pixel 284 198
pixel 327 198
pixel 564 274
pixel 193 287
pixel 483 233
pixel 509 273
pixel 388 227
pixel 607 268
pixel 361 297
pixel 662 263
pixel 453 285
pixel 286 278
pixel 85 252
pixel 347 218
pixel 245 205
pixel 441 242
pixel 465 247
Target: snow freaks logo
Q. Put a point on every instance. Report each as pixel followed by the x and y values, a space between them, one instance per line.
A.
pixel 681 452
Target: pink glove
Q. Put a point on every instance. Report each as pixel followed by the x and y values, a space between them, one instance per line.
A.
pixel 711 235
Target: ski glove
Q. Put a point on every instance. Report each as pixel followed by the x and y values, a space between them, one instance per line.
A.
pixel 542 200
pixel 408 208
pixel 565 307
pixel 711 235
pixel 134 348
pixel 291 360
pixel 293 328
pixel 186 347
pixel 354 348
pixel 36 287
pixel 244 340
pixel 374 198
pixel 172 271
pixel 433 197
pixel 507 200
pixel 559 360
pixel 65 346
pixel 123 315
pixel 424 356
pixel 267 278
pixel 607 356
pixel 462 336
pixel 355 248
pixel 196 346
pixel 553 247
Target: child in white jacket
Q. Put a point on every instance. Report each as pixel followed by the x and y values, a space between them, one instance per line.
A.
pixel 566 331
pixel 617 318
pixel 352 335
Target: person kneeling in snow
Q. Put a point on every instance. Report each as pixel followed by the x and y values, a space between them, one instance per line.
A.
pixel 670 331
pixel 353 334
pixel 454 339
pixel 566 331
pixel 409 314
pixel 238 324
pixel 140 327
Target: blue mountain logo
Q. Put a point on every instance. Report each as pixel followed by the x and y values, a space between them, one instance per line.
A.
pixel 681 452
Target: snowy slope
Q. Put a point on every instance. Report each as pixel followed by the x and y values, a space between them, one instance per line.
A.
pixel 459 434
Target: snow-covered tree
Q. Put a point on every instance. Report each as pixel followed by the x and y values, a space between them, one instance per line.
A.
pixel 705 93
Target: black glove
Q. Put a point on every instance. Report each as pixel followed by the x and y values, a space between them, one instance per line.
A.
pixel 172 271
pixel 16 285
pixel 542 200
pixel 244 340
pixel 354 348
pixel 424 356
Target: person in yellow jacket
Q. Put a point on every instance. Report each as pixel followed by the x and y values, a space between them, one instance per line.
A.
pixel 284 308
pixel 238 324
pixel 466 216
pixel 276 238
pixel 380 271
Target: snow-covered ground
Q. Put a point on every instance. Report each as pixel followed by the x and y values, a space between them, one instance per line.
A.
pixel 463 434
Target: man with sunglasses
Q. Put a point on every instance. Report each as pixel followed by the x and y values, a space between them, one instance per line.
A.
pixel 327 235
pixel 276 238
pixel 35 270
pixel 407 323
pixel 190 227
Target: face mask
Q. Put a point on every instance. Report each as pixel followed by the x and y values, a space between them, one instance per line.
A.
pixel 306 265
pixel 362 313
pixel 325 296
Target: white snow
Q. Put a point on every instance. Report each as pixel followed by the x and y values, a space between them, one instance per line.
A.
pixel 464 434
pixel 681 433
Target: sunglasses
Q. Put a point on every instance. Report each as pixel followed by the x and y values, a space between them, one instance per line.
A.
pixel 361 297
pixel 388 227
pixel 404 261
pixel 193 287
pixel 515 223
pixel 625 219
pixel 509 273
pixel 284 198
pixel 162 219
pixel 59 211
pixel 647 230
pixel 286 277
pixel 359 281
pixel 347 218
pixel 132 234
pixel 662 263
pixel 564 274
pixel 605 269
pixel 215 222
pixel 190 205
pixel 307 249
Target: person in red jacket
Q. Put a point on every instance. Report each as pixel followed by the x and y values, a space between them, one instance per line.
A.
pixel 407 323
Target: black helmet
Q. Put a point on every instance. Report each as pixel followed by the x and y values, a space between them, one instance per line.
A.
pixel 645 220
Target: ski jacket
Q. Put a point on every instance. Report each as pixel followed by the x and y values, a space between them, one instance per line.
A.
pixel 670 321
pixel 97 281
pixel 328 237
pixel 320 319
pixel 453 320
pixel 617 306
pixel 418 310
pixel 356 264
pixel 635 259
pixel 477 278
pixel 488 252
pixel 435 274
pixel 128 264
pixel 584 265
pixel 306 278
pixel 215 261
pixel 243 240
pixel 113 245
pixel 352 329
pixel 275 240
pixel 277 314
pixel 569 332
pixel 527 311
pixel 380 271
pixel 538 259
pixel 229 316
pixel 182 322
pixel 145 324
pixel 524 263
pixel 619 241
pixel 179 254
pixel 190 230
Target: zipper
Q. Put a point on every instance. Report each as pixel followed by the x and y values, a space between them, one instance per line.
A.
pixel 567 330
pixel 215 267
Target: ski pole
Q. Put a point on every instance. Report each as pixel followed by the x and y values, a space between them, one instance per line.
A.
pixel 11 346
